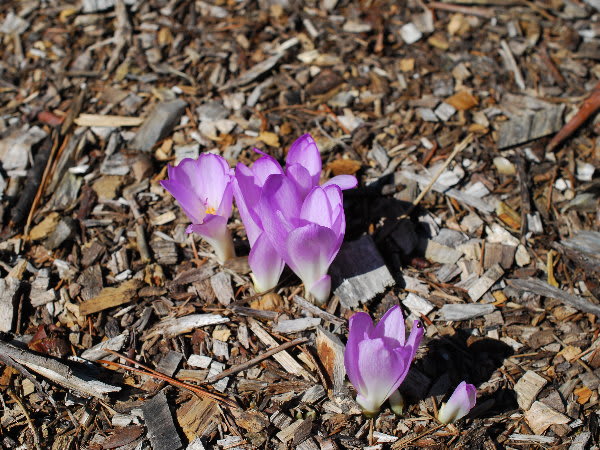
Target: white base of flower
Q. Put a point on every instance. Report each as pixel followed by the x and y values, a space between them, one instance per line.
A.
pixel 320 290
pixel 258 288
pixel 397 403
pixel 223 247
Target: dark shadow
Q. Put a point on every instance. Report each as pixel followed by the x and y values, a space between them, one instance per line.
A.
pixel 452 359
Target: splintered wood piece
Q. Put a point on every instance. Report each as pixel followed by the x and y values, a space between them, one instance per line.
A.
pixel 540 287
pixel 331 353
pixel 111 296
pixel 529 126
pixel 9 288
pixel 102 349
pixel 72 376
pixel 528 387
pixel 297 432
pixel 359 272
pixel 540 417
pixel 174 326
pixel 497 253
pixel 221 284
pixel 458 311
pixel 160 424
pixel 283 357
pixel 296 325
pixel 485 282
pixel 316 311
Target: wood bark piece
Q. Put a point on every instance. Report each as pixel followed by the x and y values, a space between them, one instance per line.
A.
pixel 296 325
pixel 221 284
pixel 529 126
pixel 100 350
pixel 540 287
pixel 71 376
pixel 331 353
pixel 9 288
pixel 111 296
pixel 198 417
pixel 283 358
pixel 359 272
pixel 161 426
pixel 316 311
pixel 459 311
pixel 172 327
pixel 540 417
pixel 485 282
pixel 528 387
pixel 158 124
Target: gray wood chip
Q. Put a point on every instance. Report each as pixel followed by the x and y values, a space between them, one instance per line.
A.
pixel 485 282
pixel 160 424
pixel 9 287
pixel 359 272
pixel 172 327
pixel 221 284
pixel 159 123
pixel 528 387
pixel 529 126
pixel 457 312
pixel 296 325
pixel 542 288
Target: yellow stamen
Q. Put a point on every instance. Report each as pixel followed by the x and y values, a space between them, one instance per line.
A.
pixel 210 210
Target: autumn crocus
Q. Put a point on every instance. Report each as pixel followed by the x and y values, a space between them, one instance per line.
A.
pixel 257 203
pixel 377 358
pixel 307 233
pixel 459 404
pixel 203 188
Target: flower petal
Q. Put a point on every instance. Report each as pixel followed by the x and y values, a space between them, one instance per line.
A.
pixel 342 181
pixel 247 194
pixel 301 179
pixel 321 289
pixel 192 205
pixel 266 264
pixel 391 326
pixel 213 227
pixel 360 326
pixel 304 151
pixel 310 250
pixel 382 369
pixel 316 208
pixel 414 338
pixel 459 404
pixel 265 166
pixel 212 176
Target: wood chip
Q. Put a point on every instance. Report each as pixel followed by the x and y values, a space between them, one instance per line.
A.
pixel 540 417
pixel 359 272
pixel 160 424
pixel 485 282
pixel 111 296
pixel 528 387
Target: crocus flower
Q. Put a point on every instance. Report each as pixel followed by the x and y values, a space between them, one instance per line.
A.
pixel 308 233
pixel 253 195
pixel 459 404
pixel 377 358
pixel 203 188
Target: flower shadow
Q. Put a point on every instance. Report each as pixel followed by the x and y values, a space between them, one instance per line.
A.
pixel 460 357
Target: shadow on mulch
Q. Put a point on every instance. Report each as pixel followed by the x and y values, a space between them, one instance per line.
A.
pixel 463 357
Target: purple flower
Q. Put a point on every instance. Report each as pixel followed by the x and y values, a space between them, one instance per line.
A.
pixel 270 201
pixel 460 403
pixel 377 358
pixel 204 190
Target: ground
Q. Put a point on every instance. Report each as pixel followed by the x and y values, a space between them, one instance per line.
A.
pixel 471 129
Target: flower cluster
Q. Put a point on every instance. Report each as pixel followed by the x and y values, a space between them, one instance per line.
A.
pixel 289 218
pixel 377 360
